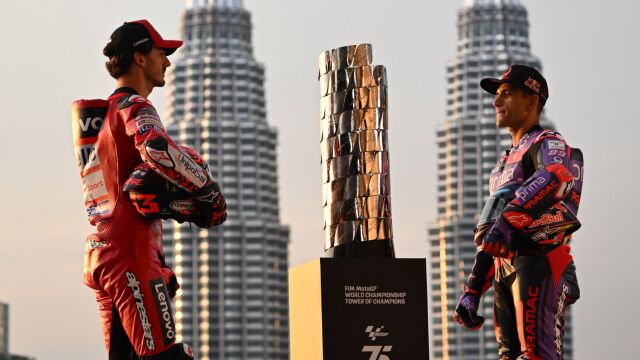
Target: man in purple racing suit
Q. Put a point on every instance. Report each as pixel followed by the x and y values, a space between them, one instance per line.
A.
pixel 524 230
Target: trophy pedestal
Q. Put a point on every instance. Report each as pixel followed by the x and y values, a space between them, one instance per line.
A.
pixel 349 309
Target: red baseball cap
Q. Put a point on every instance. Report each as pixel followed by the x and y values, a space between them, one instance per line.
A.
pixel 133 34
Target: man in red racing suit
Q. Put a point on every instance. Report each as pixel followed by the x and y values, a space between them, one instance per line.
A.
pixel 123 258
pixel 525 227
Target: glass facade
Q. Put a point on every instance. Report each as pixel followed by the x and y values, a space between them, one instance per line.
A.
pixel 233 302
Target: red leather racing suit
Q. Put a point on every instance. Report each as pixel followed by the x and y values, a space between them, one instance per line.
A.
pixel 123 258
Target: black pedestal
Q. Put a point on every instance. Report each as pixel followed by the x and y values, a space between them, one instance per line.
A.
pixel 350 309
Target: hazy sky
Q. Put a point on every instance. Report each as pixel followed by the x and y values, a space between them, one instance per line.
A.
pixel 51 55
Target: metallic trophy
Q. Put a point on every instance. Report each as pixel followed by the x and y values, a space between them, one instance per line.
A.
pixel 354 154
pixel 335 303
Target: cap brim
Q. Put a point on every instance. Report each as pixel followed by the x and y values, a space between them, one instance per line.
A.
pixel 169 46
pixel 491 85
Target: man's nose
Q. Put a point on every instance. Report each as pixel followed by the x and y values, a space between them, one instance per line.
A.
pixel 497 101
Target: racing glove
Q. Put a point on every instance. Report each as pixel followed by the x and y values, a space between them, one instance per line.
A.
pixel 212 207
pixel 170 280
pixel 466 313
pixel 498 241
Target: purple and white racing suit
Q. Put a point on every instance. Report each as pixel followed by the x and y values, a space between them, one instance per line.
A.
pixel 523 243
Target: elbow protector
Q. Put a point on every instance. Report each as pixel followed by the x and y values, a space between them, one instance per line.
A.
pixel 543 190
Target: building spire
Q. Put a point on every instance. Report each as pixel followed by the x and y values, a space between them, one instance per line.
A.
pixel 229 4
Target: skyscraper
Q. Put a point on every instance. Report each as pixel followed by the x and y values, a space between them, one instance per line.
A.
pixel 492 35
pixel 233 298
pixel 4 328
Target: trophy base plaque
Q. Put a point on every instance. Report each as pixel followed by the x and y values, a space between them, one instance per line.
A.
pixel 350 309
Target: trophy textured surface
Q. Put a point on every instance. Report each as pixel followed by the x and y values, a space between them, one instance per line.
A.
pixel 354 154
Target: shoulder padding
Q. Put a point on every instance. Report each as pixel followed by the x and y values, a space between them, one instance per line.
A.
pixel 132 99
pixel 549 134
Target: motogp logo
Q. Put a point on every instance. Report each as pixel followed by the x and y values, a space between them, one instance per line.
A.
pixel 378 352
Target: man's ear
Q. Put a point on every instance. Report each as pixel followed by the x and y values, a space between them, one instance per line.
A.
pixel 139 59
pixel 532 103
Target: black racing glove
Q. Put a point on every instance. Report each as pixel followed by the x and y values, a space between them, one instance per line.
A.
pixel 212 207
pixel 466 313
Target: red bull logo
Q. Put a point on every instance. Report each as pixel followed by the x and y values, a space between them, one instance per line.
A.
pixel 547 219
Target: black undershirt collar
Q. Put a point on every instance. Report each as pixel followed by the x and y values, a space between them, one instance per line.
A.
pixel 125 89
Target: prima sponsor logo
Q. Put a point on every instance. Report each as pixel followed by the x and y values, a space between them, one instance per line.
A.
pixel 541 195
pixel 497 180
pixel 161 298
pixel 181 205
pixel 531 187
pixel 134 285
pixel 559 319
pixel 192 168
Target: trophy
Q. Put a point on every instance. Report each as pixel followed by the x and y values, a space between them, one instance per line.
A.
pixel 354 154
pixel 359 301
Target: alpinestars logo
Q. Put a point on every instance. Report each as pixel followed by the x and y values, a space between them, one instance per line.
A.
pixel 373 334
pixel 134 284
